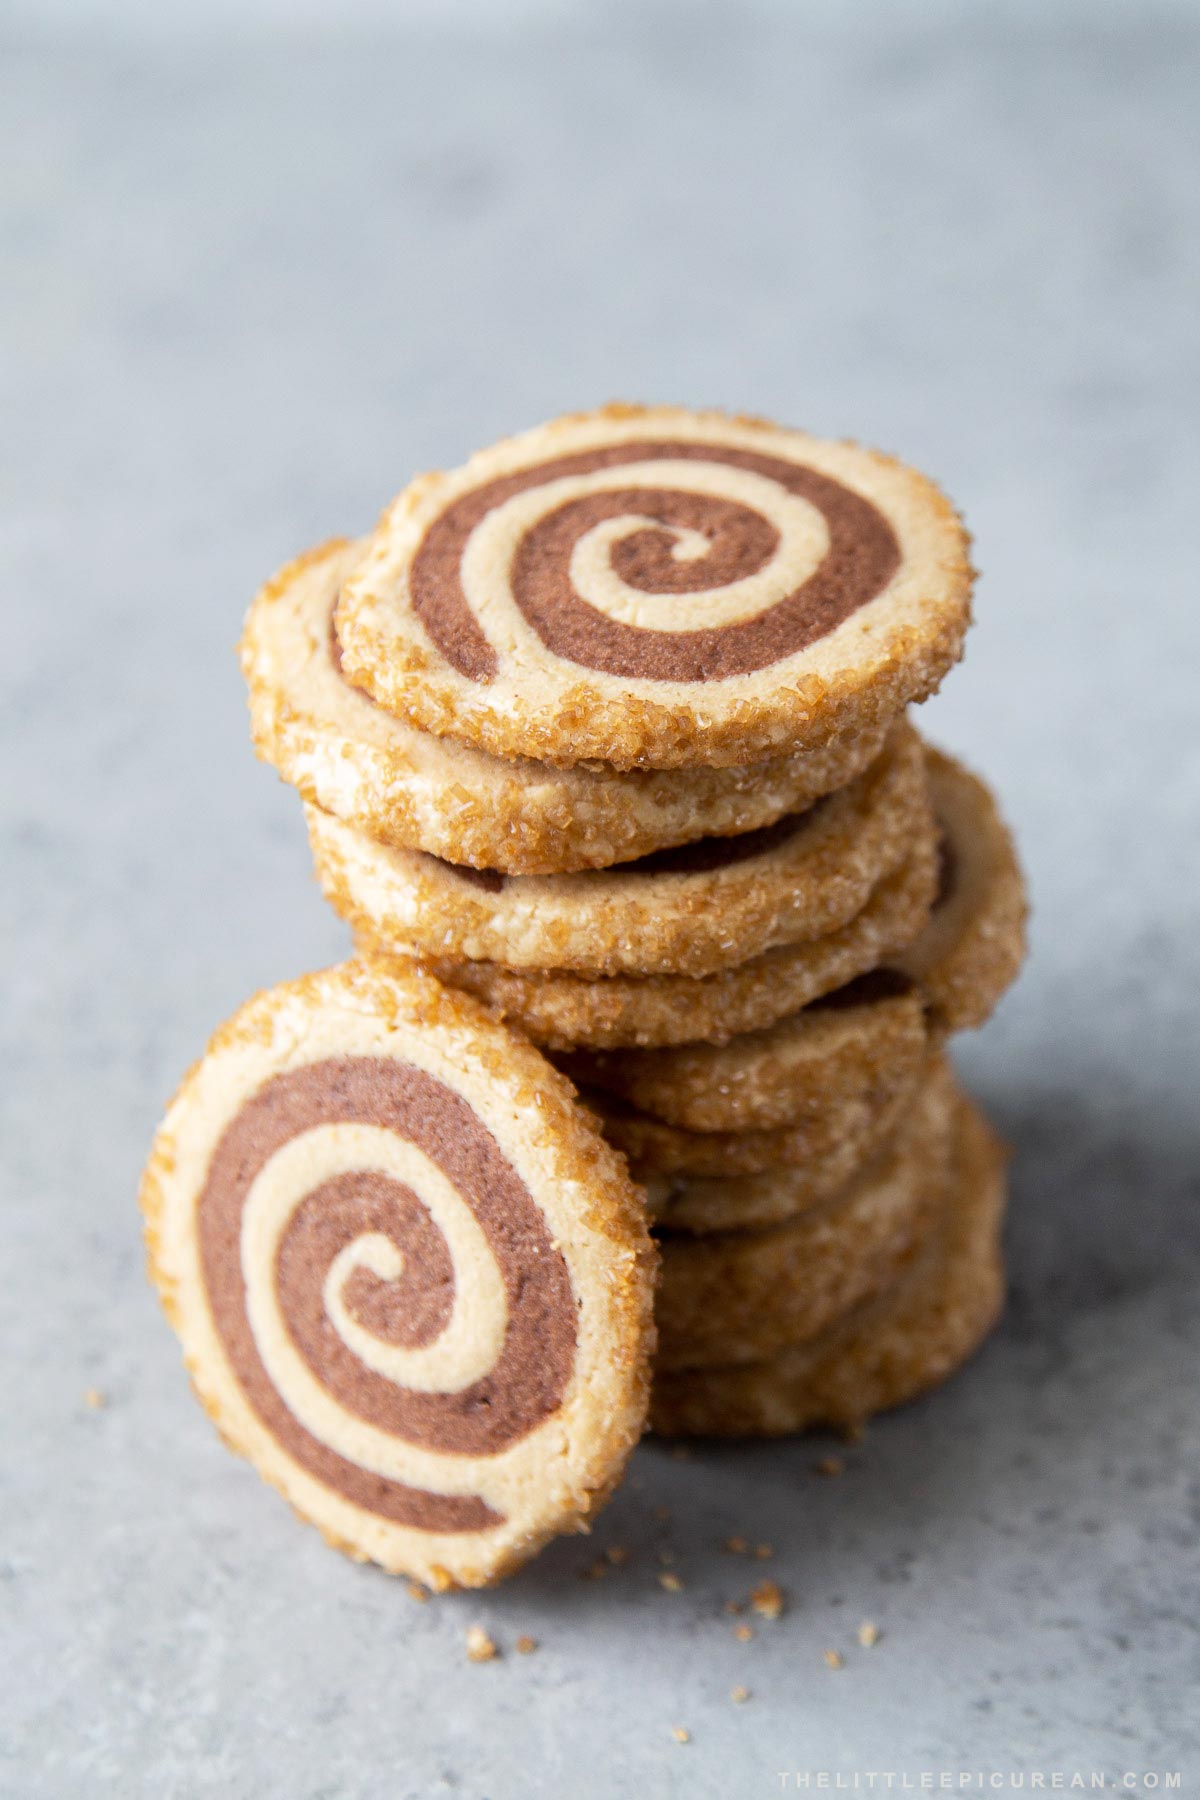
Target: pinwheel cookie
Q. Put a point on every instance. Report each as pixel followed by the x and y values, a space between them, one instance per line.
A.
pixel 855 1047
pixel 702 1201
pixel 658 588
pixel 828 1144
pixel 889 1349
pixel 409 788
pixel 742 1295
pixel 565 1011
pixel 412 1285
pixel 688 911
pixel 973 946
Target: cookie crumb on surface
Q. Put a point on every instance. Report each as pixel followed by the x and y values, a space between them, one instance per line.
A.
pixel 739 1695
pixel 736 1546
pixel 662 1514
pixel 830 1466
pixel 743 1633
pixel 681 1453
pixel 96 1398
pixel 595 1571
pixel 682 1735
pixel 868 1634
pixel 734 1607
pixel 525 1646
pixel 763 1552
pixel 617 1555
pixel 834 1659
pixel 767 1600
pixel 480 1647
pixel 671 1582
pixel 417 1592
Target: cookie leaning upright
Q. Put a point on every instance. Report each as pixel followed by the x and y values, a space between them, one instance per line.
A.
pixel 412 1284
pixel 658 588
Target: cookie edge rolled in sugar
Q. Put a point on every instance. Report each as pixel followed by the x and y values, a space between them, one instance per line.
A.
pixel 605 1219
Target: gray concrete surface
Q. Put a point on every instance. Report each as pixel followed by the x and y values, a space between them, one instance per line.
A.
pixel 253 278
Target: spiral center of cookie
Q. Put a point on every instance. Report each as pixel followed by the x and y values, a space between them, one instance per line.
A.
pixel 675 562
pixel 382 1280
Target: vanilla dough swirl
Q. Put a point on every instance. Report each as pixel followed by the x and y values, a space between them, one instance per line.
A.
pixel 372 1260
pixel 766 556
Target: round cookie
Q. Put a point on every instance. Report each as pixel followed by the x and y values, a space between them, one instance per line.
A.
pixel 854 1047
pixel 828 1145
pixel 739 1296
pixel 407 787
pixel 974 944
pixel 887 1351
pixel 413 1286
pixel 564 1011
pixel 658 588
pixel 690 910
pixel 703 1203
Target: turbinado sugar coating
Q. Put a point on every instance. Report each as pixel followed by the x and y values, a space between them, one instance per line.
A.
pixel 690 910
pixel 850 1047
pixel 744 1294
pixel 885 1351
pixel 564 1011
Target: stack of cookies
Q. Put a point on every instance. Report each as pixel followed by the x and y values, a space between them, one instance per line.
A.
pixel 608 729
pixel 605 752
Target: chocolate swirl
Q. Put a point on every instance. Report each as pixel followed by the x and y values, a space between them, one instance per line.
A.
pixel 655 540
pixel 362 1312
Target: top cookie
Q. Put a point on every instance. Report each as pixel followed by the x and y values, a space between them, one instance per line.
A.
pixel 410 789
pixel 654 588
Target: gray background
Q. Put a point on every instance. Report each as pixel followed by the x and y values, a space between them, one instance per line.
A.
pixel 255 273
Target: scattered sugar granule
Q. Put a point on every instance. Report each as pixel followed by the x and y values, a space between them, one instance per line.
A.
pixel 682 1735
pixel 767 1600
pixel 671 1582
pixel 739 1695
pixel 834 1659
pixel 96 1398
pixel 480 1647
pixel 868 1635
